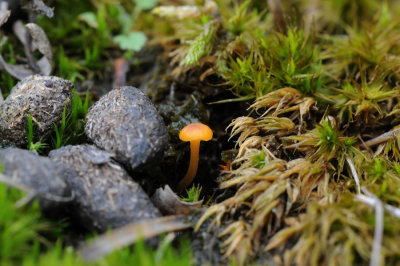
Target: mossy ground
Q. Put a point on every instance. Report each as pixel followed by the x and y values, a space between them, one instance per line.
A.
pixel 308 91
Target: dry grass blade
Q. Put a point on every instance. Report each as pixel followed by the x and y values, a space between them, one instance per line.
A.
pixel 354 173
pixel 383 138
pixel 250 143
pixel 216 209
pixel 277 99
pixel 282 236
pixel 276 124
pixel 129 234
pixel 245 126
pixel 238 241
pixel 378 235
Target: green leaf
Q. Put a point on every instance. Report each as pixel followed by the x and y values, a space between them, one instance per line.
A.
pixel 134 41
pixel 146 4
pixel 89 18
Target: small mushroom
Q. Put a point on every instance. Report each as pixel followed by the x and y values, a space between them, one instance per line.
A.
pixel 194 133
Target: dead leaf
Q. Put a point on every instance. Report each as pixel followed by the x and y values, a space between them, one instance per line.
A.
pixel 40 40
pixel 121 68
pixel 17 71
pixel 20 31
pixel 4 13
pixel 282 236
pixel 37 6
pixel 169 203
pixel 45 66
pixel 129 234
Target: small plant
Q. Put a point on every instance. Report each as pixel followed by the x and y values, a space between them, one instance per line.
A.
pixel 60 140
pixel 193 194
pixel 35 146
pixel 71 128
pixel 362 102
pixel 259 160
pixel 90 31
pixel 378 168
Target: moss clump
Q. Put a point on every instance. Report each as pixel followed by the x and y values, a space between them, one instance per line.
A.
pixel 322 124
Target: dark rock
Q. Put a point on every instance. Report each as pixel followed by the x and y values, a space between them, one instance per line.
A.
pixel 38 173
pixel 42 96
pixel 126 123
pixel 105 196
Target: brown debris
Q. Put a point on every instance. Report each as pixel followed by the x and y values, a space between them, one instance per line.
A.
pixel 170 204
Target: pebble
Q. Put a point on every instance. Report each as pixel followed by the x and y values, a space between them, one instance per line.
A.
pixel 105 196
pixel 38 173
pixel 43 97
pixel 126 123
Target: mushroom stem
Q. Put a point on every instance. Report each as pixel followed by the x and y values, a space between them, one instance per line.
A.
pixel 194 163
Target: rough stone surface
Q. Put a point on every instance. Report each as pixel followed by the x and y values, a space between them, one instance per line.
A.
pixel 42 96
pixel 126 123
pixel 105 196
pixel 37 172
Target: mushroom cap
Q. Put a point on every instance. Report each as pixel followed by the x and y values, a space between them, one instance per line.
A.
pixel 196 131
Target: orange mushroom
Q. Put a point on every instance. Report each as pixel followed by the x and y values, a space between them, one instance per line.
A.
pixel 194 133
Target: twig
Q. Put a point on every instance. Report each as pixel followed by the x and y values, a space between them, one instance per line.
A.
pixel 12 182
pixel 393 210
pixel 296 145
pixel 31 193
pixel 354 173
pixel 28 53
pixel 371 200
pixel 29 197
pixel 382 138
pixel 378 234
pixel 131 233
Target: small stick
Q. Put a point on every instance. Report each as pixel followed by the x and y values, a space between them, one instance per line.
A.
pixel 131 233
pixel 30 192
pixel 370 202
pixel 28 53
pixel 354 173
pixel 382 138
pixel 374 202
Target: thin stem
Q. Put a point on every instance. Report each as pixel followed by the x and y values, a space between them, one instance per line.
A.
pixel 354 173
pixel 194 163
pixel 382 138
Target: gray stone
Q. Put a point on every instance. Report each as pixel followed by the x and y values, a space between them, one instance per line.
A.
pixel 126 123
pixel 38 173
pixel 43 97
pixel 105 196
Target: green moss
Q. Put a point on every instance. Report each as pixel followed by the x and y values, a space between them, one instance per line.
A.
pixel 20 228
pixel 193 194
pixel 71 129
pixel 23 241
